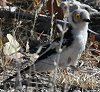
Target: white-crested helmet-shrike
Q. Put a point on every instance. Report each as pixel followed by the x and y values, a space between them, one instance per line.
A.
pixel 73 44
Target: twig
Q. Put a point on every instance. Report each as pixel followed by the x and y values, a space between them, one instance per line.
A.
pixel 52 18
pixel 94 50
pixel 92 75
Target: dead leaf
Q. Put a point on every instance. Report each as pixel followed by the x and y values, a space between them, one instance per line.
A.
pixel 56 9
pixel 12 46
pixel 3 2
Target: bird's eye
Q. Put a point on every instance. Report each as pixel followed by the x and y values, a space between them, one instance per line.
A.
pixel 77 16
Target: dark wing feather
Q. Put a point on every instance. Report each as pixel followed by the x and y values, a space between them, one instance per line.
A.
pixel 67 41
pixel 68 38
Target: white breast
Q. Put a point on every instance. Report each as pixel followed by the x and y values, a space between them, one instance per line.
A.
pixel 71 55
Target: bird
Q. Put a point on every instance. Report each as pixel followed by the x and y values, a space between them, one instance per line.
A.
pixel 74 43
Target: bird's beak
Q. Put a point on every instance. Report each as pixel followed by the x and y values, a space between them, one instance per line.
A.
pixel 86 20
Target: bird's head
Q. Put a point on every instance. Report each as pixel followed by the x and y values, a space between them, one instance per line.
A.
pixel 79 17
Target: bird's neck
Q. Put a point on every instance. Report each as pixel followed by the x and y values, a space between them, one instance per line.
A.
pixel 80 29
pixel 81 26
pixel 80 35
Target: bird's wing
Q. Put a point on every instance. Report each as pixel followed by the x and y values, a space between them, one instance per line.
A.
pixel 51 48
pixel 68 38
